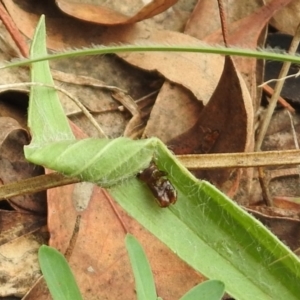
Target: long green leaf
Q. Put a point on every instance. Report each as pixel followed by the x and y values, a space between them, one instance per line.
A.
pixel 50 123
pixel 144 282
pixel 214 235
pixel 58 275
pixel 205 228
pixel 268 54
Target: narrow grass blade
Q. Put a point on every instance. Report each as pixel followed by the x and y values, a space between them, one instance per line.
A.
pixel 144 282
pixel 268 54
pixel 58 275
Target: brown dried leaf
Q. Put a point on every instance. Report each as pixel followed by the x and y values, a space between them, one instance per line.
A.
pixel 99 14
pixel 239 36
pixel 245 27
pixel 14 167
pixel 64 32
pixel 248 32
pixel 175 111
pixel 191 70
pixel 114 12
pixel 287 19
pixel 228 113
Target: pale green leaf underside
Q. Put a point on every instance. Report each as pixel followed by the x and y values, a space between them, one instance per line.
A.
pixel 205 228
pixel 50 123
pixel 144 282
pixel 101 161
pixel 58 275
pixel 208 290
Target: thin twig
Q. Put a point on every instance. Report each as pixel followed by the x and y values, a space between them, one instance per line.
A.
pixel 269 91
pixel 293 130
pixel 277 91
pixel 192 162
pixel 83 80
pixel 295 139
pixel 124 226
pixel 295 75
pixel 272 104
pixel 264 184
pixel 35 184
pixel 223 22
pixel 74 238
pixel 74 99
pixel 240 160
pixel 14 31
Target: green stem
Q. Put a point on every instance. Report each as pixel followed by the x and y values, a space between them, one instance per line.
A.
pixel 202 48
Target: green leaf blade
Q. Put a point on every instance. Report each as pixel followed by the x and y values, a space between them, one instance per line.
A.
pixel 102 161
pixel 268 54
pixel 144 281
pixel 208 290
pixel 50 123
pixel 58 275
pixel 214 235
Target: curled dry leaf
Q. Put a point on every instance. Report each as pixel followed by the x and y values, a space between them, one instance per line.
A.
pixel 114 12
pixel 287 19
pixel 14 167
pixel 245 28
pixel 248 32
pixel 224 125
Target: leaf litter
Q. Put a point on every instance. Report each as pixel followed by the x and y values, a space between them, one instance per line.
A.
pixel 194 110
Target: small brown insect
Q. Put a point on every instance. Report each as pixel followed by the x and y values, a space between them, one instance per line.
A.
pixel 160 186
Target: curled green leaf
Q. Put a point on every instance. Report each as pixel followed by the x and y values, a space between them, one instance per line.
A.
pixel 102 161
